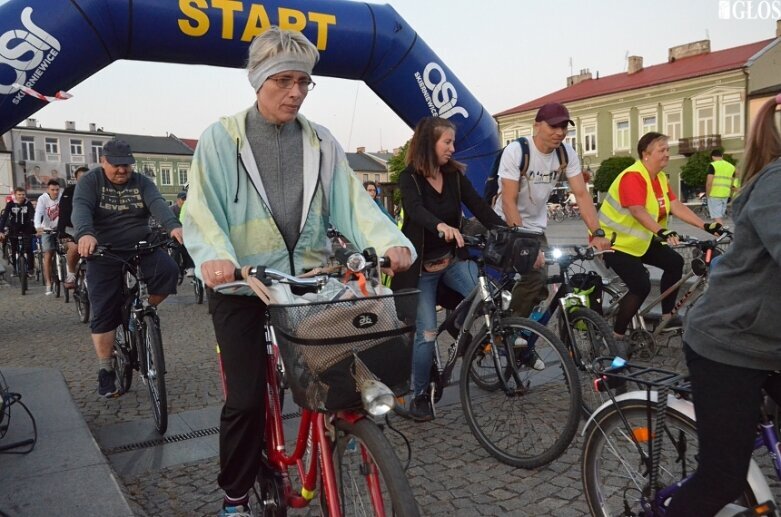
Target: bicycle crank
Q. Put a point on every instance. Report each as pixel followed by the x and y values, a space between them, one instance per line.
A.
pixel 642 344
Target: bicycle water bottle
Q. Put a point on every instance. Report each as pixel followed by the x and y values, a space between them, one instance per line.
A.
pixel 537 313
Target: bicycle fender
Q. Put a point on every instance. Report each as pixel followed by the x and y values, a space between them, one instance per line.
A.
pixel 681 406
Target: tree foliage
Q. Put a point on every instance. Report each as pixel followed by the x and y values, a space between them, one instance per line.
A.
pixel 609 170
pixel 396 164
pixel 695 170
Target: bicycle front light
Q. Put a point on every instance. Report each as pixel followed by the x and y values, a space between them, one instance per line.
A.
pixel 556 253
pixel 377 398
pixel 507 297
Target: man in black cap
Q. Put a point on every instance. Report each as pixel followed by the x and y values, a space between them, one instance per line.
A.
pixel 112 205
pixel 522 201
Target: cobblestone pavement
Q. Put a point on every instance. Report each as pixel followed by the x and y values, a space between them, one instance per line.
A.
pixel 449 472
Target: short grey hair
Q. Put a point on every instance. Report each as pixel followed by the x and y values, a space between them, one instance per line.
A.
pixel 278 50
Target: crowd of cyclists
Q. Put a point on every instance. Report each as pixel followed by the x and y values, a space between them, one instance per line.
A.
pixel 248 204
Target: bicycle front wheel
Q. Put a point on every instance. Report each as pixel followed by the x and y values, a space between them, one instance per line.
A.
pixel 369 476
pixel 532 420
pixel 120 357
pixel 589 337
pixel 615 474
pixel 155 372
pixel 198 288
pixel 82 297
pixel 22 272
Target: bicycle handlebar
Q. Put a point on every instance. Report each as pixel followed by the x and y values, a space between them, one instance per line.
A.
pixel 140 248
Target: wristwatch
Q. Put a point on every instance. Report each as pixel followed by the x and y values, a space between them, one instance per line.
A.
pixel 599 232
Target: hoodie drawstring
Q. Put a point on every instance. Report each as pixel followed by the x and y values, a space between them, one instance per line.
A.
pixel 238 174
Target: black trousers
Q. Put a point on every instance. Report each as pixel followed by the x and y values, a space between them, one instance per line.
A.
pixel 726 401
pixel 635 276
pixel 239 328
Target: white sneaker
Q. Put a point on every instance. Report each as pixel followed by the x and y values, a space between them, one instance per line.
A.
pixel 189 272
pixel 49 290
pixel 70 278
pixel 538 365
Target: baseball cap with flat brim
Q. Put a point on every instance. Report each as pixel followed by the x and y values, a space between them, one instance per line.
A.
pixel 554 114
pixel 118 152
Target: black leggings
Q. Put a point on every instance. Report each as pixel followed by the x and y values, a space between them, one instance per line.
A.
pixel 635 276
pixel 727 401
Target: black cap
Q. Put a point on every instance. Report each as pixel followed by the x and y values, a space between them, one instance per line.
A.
pixel 182 195
pixel 118 152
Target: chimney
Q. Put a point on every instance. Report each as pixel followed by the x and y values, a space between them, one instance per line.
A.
pixel 31 122
pixel 584 75
pixel 635 64
pixel 70 125
pixel 361 150
pixel 688 50
pixel 92 127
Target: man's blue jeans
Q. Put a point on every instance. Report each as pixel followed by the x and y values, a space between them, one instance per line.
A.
pixel 461 276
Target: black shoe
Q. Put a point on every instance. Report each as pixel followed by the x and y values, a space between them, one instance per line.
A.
pixel 107 383
pixel 420 408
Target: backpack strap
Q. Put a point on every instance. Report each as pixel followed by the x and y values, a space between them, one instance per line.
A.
pixel 561 154
pixel 524 165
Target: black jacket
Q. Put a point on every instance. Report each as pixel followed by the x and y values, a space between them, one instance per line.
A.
pixel 18 218
pixel 417 220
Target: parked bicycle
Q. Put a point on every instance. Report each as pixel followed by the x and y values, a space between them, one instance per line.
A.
pixel 523 416
pixel 138 344
pixel 641 446
pixel 341 357
pixel 646 331
pixel 80 293
pixel 556 212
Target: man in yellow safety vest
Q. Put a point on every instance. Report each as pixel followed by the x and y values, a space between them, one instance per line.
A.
pixel 719 185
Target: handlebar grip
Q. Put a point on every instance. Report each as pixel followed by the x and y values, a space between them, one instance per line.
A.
pixel 384 261
pixel 238 275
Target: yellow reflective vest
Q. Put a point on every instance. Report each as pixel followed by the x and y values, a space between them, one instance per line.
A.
pixel 722 179
pixel 632 237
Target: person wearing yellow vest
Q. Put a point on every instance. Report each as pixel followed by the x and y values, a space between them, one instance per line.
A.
pixel 636 210
pixel 719 185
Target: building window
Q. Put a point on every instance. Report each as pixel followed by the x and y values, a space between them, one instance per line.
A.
pixel 96 147
pixel 52 146
pixel 589 131
pixel 165 175
pixel 704 120
pixel 77 147
pixel 648 123
pixel 28 148
pixel 621 134
pixel 182 176
pixel 571 138
pixel 673 128
pixel 148 170
pixel 365 178
pixel 732 115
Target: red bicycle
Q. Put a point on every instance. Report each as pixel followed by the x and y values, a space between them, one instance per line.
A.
pixel 338 349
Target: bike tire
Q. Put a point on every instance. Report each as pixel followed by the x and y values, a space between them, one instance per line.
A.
pixel 39 271
pixel 612 468
pixel 22 272
pixel 593 338
pixel 56 275
pixel 198 288
pixel 363 455
pixel 120 357
pixel 530 425
pixel 155 372
pixel 559 215
pixel 82 298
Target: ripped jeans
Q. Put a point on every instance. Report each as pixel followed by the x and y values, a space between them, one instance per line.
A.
pixel 461 276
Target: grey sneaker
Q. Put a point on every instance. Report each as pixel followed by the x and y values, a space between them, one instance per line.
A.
pixel 107 383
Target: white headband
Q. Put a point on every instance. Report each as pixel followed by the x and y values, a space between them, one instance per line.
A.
pixel 275 65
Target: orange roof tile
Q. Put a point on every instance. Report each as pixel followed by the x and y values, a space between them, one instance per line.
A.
pixel 695 66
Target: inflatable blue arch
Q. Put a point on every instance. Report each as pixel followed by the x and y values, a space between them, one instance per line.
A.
pixel 52 45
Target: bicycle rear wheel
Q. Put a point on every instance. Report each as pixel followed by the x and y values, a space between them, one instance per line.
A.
pixel 155 372
pixel 120 357
pixel 613 471
pixel 533 421
pixel 198 288
pixel 58 276
pixel 81 295
pixel 368 474
pixel 592 338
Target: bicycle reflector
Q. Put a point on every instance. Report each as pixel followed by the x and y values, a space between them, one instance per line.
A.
pixel 642 434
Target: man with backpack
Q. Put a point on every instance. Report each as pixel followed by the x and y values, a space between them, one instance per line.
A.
pixel 526 173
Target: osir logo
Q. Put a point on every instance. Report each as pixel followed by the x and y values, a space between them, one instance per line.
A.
pixel 25 50
pixel 440 94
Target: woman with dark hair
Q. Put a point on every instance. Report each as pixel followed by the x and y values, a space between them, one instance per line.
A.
pixel 636 209
pixel 372 188
pixel 433 187
pixel 732 348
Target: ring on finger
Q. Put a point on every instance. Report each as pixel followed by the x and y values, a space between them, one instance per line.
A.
pixel 218 273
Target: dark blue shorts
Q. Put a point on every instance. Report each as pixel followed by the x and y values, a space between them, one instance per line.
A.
pixel 104 283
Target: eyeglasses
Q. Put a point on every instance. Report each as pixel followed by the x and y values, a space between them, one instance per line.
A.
pixel 286 83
